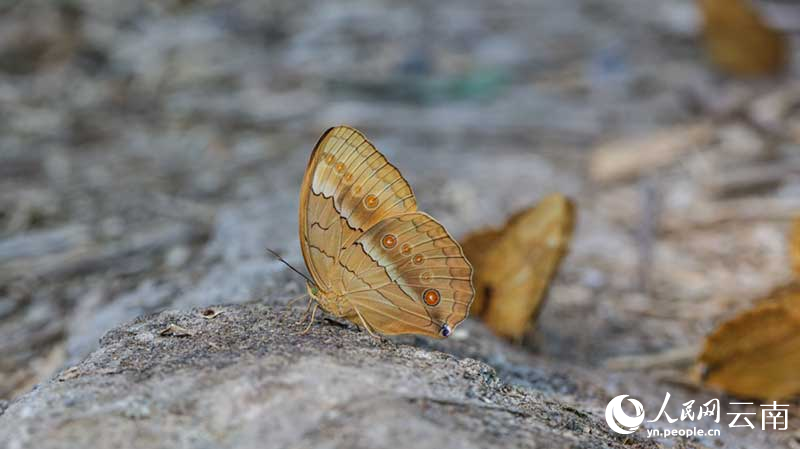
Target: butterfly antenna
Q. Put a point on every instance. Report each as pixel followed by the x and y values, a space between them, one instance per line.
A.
pixel 278 256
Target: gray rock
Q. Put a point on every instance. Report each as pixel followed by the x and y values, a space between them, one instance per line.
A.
pixel 247 378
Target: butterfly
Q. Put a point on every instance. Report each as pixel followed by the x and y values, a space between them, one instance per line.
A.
pixel 756 353
pixel 794 245
pixel 766 336
pixel 515 264
pixel 373 258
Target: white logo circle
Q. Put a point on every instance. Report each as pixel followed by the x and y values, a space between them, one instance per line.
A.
pixel 618 420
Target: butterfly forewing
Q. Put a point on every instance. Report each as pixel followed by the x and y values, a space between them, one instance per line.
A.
pixel 351 199
pixel 347 188
pixel 515 264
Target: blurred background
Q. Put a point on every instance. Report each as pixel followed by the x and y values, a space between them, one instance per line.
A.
pixel 150 151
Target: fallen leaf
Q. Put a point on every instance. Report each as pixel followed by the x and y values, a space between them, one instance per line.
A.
pixel 211 313
pixel 627 158
pixel 757 353
pixel 739 41
pixel 794 245
pixel 514 265
pixel 70 373
pixel 173 330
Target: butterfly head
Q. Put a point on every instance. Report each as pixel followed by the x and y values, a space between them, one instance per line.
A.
pixel 313 290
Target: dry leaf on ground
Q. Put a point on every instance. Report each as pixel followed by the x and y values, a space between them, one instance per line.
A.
pixel 174 330
pixel 756 354
pixel 628 158
pixel 211 313
pixel 514 265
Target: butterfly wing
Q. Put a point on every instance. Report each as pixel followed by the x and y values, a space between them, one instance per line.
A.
pixel 515 265
pixel 407 275
pixel 350 200
pixel 348 187
pixel 767 336
pixel 794 245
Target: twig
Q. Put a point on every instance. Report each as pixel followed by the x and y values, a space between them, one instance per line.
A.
pixel 646 235
pixel 752 178
pixel 669 358
pixel 469 405
pixel 739 210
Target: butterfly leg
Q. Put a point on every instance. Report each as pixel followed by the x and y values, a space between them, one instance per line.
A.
pixel 366 326
pixel 313 314
pixel 305 314
pixel 294 300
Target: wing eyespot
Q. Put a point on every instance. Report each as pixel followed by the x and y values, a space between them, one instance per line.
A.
pixel 431 297
pixel 425 277
pixel 418 259
pixel 371 201
pixel 389 241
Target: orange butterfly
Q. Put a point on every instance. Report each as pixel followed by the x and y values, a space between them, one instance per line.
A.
pixel 756 353
pixel 373 258
pixel 794 245
pixel 515 264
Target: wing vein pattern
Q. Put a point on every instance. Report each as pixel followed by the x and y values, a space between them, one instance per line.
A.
pixel 366 245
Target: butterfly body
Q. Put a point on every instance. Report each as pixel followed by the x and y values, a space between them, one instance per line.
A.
pixel 333 303
pixel 374 259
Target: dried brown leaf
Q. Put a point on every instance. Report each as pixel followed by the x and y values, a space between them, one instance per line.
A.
pixel 174 330
pixel 211 313
pixel 70 373
pixel 628 158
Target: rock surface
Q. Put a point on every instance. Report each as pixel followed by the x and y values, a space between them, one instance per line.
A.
pixel 242 376
pixel 247 378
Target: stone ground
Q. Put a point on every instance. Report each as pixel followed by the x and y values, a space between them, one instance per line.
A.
pixel 150 151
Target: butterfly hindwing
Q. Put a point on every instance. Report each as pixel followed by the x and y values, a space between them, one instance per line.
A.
pixel 515 264
pixel 407 273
